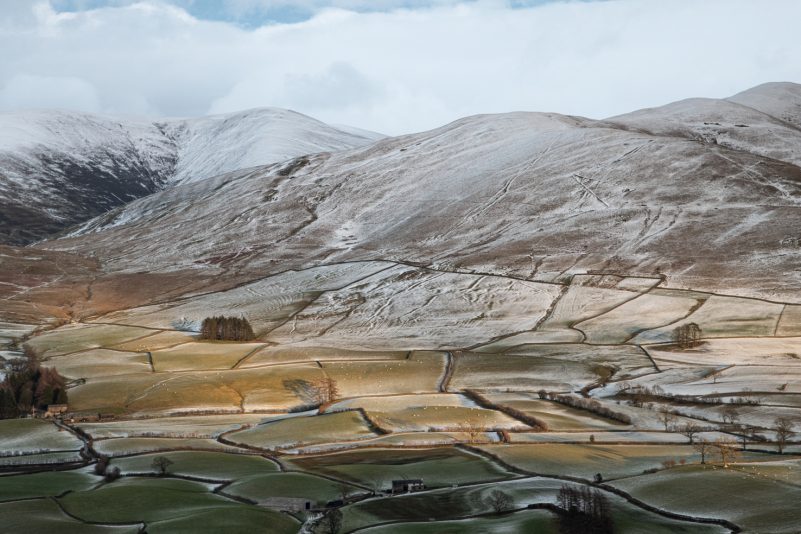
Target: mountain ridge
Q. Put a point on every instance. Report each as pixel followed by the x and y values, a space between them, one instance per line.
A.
pixel 61 168
pixel 536 196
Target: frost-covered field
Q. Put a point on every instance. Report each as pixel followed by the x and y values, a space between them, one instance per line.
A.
pixel 508 303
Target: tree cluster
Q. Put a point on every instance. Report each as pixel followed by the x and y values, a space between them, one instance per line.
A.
pixel 584 511
pixel 27 385
pixel 226 329
pixel 687 336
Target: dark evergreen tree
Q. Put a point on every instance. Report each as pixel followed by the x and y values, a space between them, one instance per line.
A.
pixel 226 329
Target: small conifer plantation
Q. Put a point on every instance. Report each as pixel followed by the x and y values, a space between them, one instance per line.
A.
pixel 226 329
pixel 27 386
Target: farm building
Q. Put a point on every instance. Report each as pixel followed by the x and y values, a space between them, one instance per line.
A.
pixel 55 409
pixel 407 485
pixel 287 504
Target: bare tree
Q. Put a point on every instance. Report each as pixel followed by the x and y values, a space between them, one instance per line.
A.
pixel 666 417
pixel 475 434
pixel 784 431
pixel 730 415
pixel 743 435
pixel 344 490
pixel 324 390
pixel 703 448
pixel 690 430
pixel 499 501
pixel 727 450
pixel 332 521
pixel 160 464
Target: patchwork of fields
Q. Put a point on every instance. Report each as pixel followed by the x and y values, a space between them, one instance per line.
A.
pixel 471 383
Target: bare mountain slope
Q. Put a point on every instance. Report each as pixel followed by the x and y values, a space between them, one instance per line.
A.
pixel 527 195
pixel 61 168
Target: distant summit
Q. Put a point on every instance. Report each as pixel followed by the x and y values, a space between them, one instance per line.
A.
pixel 61 168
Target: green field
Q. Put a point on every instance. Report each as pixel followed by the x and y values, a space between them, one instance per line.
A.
pixel 126 446
pixel 214 465
pixel 35 435
pixel 154 500
pixel 440 467
pixel 300 485
pixel 758 503
pixel 446 504
pixel 43 516
pixel 44 484
pixel 535 521
pixel 579 460
pixel 299 431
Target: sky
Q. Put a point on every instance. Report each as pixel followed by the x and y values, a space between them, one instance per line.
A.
pixel 392 66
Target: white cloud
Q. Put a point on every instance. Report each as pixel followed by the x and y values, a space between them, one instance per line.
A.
pixel 49 92
pixel 404 70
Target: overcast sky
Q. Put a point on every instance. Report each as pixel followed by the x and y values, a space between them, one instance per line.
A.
pixel 393 66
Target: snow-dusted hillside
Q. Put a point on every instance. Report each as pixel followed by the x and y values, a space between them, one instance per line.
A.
pixel 705 193
pixel 61 168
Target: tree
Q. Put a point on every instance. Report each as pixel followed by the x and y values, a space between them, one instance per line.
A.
pixel 729 414
pixel 28 386
pixel 726 449
pixel 332 521
pixel 344 490
pixel 542 394
pixel 743 435
pixel 226 329
pixel 112 474
pixel 702 447
pixel 687 336
pixel 160 464
pixel 324 390
pixel 667 417
pixel 475 434
pixel 784 431
pixel 101 465
pixel 499 501
pixel 690 430
pixel 583 511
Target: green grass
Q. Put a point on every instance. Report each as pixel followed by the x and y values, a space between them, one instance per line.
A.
pixel 299 431
pixel 300 485
pixel 533 521
pixel 437 467
pixel 19 435
pixel 757 503
pixel 230 520
pixel 215 465
pixel 48 458
pixel 43 516
pixel 447 504
pixel 125 446
pixel 143 499
pixel 44 484
pixel 585 461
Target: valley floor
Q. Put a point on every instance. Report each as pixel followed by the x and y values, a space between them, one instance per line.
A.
pixel 470 382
